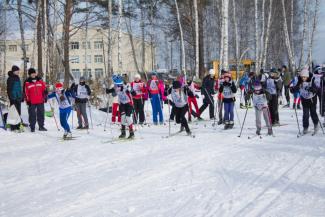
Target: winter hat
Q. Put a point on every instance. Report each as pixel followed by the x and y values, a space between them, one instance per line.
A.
pixel 31 71
pixel 227 75
pixel 117 79
pixel 82 78
pixel 273 70
pixel 176 85
pixel 137 76
pixel 14 68
pixel 284 67
pixel 257 86
pixel 317 69
pixel 251 74
pixel 59 86
pixel 304 72
pixel 211 72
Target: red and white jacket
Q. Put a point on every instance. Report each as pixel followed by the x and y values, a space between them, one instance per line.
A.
pixel 35 91
pixel 140 89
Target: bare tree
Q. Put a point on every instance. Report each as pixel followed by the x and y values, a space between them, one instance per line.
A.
pixel 197 58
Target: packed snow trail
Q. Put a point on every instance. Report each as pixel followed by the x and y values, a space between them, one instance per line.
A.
pixel 214 174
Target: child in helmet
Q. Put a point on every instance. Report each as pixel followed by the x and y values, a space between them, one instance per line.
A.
pixel 261 107
pixel 228 89
pixel 63 98
pixel 123 93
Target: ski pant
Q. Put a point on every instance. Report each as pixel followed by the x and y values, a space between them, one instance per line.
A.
pixel 229 111
pixel 172 109
pixel 247 98
pixel 287 93
pixel 36 112
pixel 192 100
pixel 180 117
pixel 81 109
pixel 116 112
pixel 274 108
pixel 266 115
pixel 17 104
pixel 309 108
pixel 139 110
pixel 208 101
pixel 321 102
pixel 156 109
pixel 126 111
pixel 296 97
pixel 64 116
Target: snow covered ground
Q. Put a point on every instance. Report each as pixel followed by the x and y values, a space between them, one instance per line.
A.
pixel 215 174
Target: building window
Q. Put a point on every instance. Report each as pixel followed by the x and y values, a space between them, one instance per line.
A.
pixel 84 45
pixel 98 45
pixel 98 73
pixel 13 48
pixel 74 45
pixel 87 73
pixel 75 73
pixel 88 59
pixel 2 48
pixel 98 58
pixel 74 59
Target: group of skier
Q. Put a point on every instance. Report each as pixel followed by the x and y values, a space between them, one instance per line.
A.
pixel 263 92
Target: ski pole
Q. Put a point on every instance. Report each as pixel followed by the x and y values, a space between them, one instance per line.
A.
pixel 237 113
pixel 268 111
pixel 4 125
pixel 72 117
pixel 241 130
pixel 91 119
pixel 168 117
pixel 56 123
pixel 297 121
pixel 106 115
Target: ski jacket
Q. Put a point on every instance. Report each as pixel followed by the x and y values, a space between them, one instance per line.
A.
pixel 272 86
pixel 138 90
pixel 178 96
pixel 208 86
pixel 228 89
pixel 259 101
pixel 192 87
pixel 35 91
pixel 123 93
pixel 63 98
pixel 306 88
pixel 82 92
pixel 156 87
pixel 14 89
pixel 317 79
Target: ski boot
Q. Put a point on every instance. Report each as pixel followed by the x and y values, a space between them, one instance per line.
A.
pixel 42 129
pixel 199 118
pixel 226 127
pixel 131 136
pixel 316 128
pixel 258 132
pixel 123 133
pixel 294 106
pixel 250 106
pixel 286 106
pixel 298 106
pixel 85 127
pixel 67 135
pixel 270 132
pixel 80 127
pixel 231 125
pixel 242 106
pixel 220 122
pixel 305 131
pixel 182 129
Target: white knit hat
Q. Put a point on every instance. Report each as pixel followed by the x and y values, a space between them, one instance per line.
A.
pixel 304 72
pixel 137 76
pixel 211 72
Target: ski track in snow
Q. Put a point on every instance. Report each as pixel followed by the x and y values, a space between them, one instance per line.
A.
pixel 215 174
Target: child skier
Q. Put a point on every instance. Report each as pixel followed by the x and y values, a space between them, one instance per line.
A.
pixel 308 91
pixel 178 95
pixel 156 94
pixel 125 105
pixel 63 98
pixel 272 87
pixel 138 93
pixel 228 89
pixel 261 107
pixel 192 87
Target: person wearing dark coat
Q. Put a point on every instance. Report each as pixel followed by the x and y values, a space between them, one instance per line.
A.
pixel 14 91
pixel 207 90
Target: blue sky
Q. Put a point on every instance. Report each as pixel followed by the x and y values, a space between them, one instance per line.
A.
pixel 319 46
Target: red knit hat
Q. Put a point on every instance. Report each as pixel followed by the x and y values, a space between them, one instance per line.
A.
pixel 59 86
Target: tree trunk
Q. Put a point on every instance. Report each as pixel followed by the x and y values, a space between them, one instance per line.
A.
pixel 226 18
pixel 312 33
pixel 236 39
pixel 22 36
pixel 143 43
pixel 256 38
pixel 197 63
pixel 303 35
pixel 109 54
pixel 66 41
pixel 287 40
pixel 119 58
pixel 39 39
pixel 128 27
pixel 183 63
pixel 267 36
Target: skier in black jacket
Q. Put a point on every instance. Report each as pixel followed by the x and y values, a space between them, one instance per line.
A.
pixel 207 90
